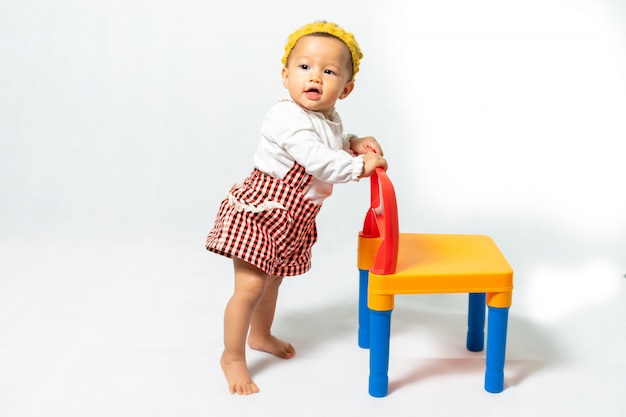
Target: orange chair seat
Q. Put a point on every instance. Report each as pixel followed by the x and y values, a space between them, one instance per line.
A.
pixel 441 263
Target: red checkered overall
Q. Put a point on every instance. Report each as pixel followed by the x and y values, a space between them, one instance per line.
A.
pixel 268 223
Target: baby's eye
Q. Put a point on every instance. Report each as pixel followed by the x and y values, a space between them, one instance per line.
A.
pixel 330 72
pixel 304 66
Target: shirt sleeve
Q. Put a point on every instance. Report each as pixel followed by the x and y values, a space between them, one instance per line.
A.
pixel 293 131
pixel 346 143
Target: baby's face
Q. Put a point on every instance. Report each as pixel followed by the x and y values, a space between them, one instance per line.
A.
pixel 318 73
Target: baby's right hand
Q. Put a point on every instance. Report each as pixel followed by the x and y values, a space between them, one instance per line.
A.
pixel 371 161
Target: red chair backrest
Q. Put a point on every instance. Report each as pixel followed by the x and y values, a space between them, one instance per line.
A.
pixel 381 220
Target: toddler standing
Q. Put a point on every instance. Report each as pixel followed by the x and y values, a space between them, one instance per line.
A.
pixel 266 224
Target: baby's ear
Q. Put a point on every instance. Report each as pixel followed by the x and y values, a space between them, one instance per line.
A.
pixel 285 76
pixel 347 89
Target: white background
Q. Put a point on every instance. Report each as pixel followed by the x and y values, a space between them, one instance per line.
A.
pixel 122 124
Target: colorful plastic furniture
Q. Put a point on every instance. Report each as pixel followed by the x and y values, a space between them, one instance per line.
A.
pixel 393 263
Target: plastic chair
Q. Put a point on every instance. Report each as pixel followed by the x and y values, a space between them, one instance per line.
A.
pixel 393 263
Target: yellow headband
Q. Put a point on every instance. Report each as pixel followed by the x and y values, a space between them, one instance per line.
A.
pixel 331 29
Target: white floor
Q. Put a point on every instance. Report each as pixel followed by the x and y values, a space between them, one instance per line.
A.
pixel 135 330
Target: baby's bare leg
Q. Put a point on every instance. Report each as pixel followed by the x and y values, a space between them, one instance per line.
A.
pixel 249 287
pixel 261 337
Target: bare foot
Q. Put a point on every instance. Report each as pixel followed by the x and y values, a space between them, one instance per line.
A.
pixel 271 344
pixel 238 377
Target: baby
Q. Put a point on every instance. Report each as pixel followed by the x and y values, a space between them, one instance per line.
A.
pixel 266 224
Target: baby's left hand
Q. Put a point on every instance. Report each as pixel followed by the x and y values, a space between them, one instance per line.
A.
pixel 364 145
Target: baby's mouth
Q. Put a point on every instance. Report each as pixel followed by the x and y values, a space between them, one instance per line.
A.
pixel 313 93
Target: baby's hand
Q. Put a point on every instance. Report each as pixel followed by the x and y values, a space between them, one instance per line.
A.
pixel 364 145
pixel 371 161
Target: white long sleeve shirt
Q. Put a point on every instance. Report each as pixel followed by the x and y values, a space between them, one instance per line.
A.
pixel 290 133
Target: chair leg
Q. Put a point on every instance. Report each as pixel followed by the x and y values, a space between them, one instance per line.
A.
pixel 476 322
pixel 380 332
pixel 364 312
pixel 496 348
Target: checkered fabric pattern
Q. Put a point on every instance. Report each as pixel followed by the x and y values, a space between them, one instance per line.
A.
pixel 268 223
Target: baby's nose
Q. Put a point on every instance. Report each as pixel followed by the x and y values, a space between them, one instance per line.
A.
pixel 315 76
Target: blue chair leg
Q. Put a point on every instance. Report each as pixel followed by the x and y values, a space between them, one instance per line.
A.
pixel 364 312
pixel 380 332
pixel 476 322
pixel 496 348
